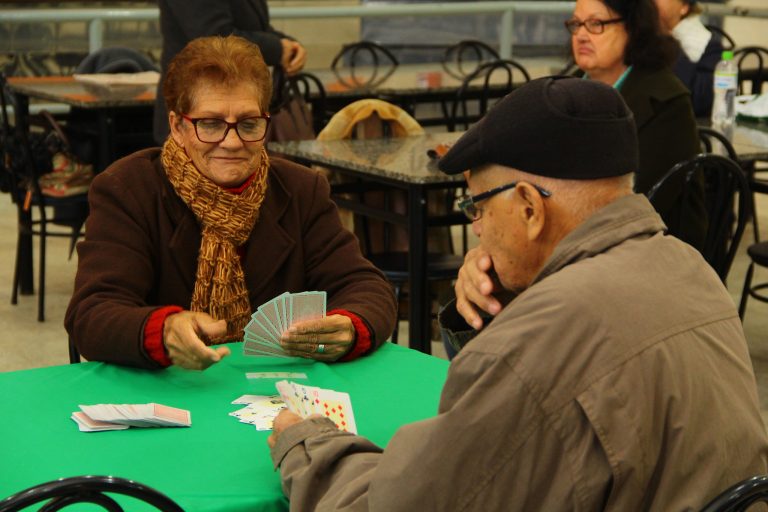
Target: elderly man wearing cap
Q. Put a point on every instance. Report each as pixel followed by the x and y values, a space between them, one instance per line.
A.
pixel 608 368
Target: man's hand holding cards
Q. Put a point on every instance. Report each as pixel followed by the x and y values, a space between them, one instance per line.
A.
pixel 294 324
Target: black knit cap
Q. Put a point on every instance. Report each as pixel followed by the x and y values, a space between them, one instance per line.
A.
pixel 560 127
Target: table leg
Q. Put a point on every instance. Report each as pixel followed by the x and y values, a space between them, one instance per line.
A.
pixel 419 303
pixel 24 250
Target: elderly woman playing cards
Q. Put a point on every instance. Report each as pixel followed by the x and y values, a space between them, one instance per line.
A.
pixel 186 241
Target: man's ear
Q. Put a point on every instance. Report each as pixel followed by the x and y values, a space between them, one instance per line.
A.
pixel 532 209
pixel 175 122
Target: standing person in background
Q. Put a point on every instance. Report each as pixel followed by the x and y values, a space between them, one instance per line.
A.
pixel 184 20
pixel 700 50
pixel 621 43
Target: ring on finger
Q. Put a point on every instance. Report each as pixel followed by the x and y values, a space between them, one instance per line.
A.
pixel 320 348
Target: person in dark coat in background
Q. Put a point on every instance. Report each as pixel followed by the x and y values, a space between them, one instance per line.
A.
pixel 184 20
pixel 700 50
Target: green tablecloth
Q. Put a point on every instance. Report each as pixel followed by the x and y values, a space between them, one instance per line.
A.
pixel 218 463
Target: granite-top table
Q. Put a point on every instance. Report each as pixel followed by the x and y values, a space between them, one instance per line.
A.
pixel 399 163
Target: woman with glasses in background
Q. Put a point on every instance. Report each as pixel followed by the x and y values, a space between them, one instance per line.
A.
pixel 621 43
pixel 184 242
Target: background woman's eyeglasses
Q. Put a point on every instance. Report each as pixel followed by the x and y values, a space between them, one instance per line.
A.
pixel 593 26
pixel 212 130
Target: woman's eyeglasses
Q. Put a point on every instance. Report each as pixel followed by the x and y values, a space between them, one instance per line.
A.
pixel 468 204
pixel 593 26
pixel 212 130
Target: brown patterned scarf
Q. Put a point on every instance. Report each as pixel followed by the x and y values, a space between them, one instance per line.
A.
pixel 227 220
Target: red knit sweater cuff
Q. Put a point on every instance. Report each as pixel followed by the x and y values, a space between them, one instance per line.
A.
pixel 153 335
pixel 362 334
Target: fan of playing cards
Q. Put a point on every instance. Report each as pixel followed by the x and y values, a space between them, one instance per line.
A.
pixel 307 400
pixel 261 411
pixel 95 418
pixel 273 318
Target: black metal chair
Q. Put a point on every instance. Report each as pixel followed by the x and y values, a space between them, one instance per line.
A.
pixel 463 58
pixel 726 201
pixel 725 39
pixel 758 255
pixel 752 62
pixel 709 137
pixel 462 114
pixel 64 492
pixel 308 87
pixel 22 167
pixel 739 497
pixel 376 61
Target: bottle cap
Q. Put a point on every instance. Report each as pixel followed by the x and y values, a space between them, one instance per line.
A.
pixel 727 55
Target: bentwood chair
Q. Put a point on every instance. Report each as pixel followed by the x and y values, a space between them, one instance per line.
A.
pixel 25 159
pixel 740 496
pixel 726 40
pixel 494 79
pixel 363 65
pixel 463 58
pixel 752 62
pixel 298 106
pixel 62 493
pixel 710 140
pixel 727 202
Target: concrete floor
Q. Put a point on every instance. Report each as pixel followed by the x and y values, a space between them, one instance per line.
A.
pixel 27 343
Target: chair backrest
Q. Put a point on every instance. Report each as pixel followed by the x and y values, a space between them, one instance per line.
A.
pixel 709 137
pixel 115 60
pixel 307 87
pixel 487 78
pixel 463 58
pixel 377 64
pixel 725 40
pixel 87 489
pixel 366 119
pixel 752 62
pixel 726 201
pixel 392 120
pixel 739 497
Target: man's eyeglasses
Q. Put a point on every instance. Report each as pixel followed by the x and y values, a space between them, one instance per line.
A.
pixel 593 26
pixel 212 130
pixel 468 204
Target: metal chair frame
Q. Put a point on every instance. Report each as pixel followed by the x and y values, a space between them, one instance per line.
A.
pixel 739 497
pixel 758 75
pixel 725 39
pixel 468 50
pixel 64 492
pixel 723 179
pixel 459 114
pixel 26 193
pixel 354 54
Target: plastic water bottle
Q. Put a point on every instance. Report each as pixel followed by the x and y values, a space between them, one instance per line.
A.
pixel 725 86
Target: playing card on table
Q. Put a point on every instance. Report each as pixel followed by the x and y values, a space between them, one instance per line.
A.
pixel 260 412
pixel 138 415
pixel 87 424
